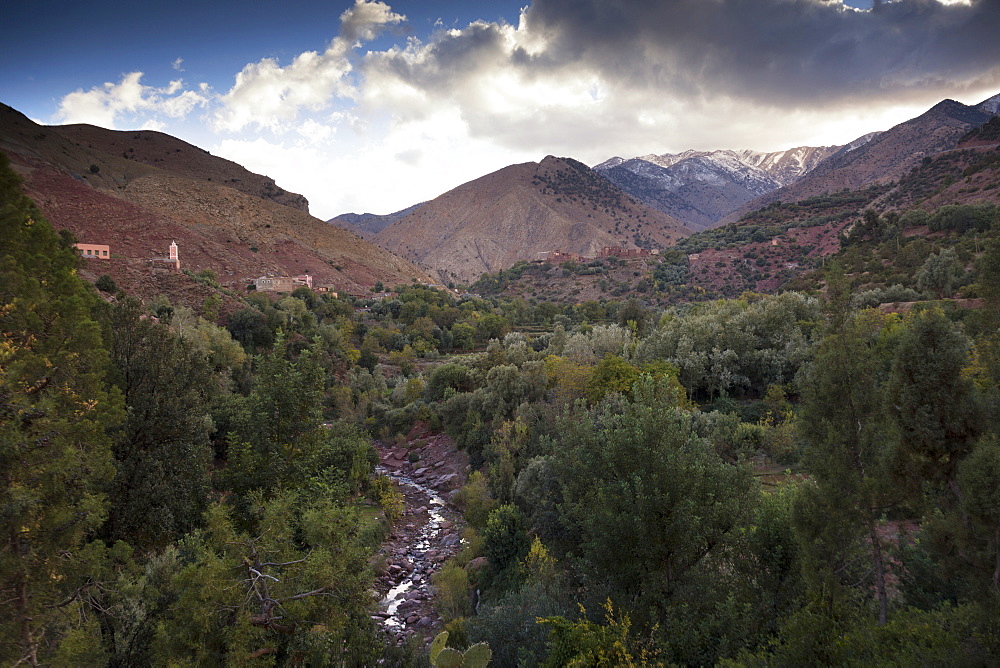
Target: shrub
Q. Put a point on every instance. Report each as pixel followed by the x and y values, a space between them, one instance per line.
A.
pixel 388 496
pixel 106 284
pixel 452 599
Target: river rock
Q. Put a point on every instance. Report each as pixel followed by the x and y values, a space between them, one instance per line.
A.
pixel 477 564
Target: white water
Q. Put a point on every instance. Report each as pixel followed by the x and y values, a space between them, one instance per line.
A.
pixel 430 531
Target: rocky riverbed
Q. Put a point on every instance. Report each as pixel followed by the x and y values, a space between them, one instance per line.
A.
pixel 428 471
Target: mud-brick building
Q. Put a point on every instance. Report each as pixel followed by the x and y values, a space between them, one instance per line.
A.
pixel 91 251
pixel 283 283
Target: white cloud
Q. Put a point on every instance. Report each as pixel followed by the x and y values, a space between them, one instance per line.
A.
pixel 379 172
pixel 110 104
pixel 177 64
pixel 268 96
pixel 381 130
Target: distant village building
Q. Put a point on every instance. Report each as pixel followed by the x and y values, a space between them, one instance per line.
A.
pixel 283 283
pixel 172 257
pixel 559 256
pixel 614 251
pixel 94 251
pixel 607 251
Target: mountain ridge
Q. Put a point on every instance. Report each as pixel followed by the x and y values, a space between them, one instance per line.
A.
pixel 701 187
pixel 235 229
pixel 521 210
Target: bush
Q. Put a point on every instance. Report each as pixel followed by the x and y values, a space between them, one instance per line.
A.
pixel 452 599
pixel 388 497
pixel 106 284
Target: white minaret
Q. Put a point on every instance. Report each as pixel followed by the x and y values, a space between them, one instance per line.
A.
pixel 173 255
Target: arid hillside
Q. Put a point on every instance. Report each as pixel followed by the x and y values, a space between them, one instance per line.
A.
pixel 887 157
pixel 519 211
pixel 87 181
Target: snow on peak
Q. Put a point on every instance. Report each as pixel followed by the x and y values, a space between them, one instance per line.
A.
pixel 990 106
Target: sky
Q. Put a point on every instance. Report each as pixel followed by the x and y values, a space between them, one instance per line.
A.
pixel 368 106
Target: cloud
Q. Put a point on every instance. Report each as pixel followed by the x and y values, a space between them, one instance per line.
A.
pixel 268 96
pixel 575 73
pixel 376 172
pixel 110 104
pixel 581 78
pixel 177 64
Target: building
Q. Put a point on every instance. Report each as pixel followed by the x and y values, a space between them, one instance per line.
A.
pixel 172 258
pixel 614 251
pixel 94 251
pixel 283 283
pixel 559 256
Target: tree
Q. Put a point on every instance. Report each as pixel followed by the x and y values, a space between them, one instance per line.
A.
pixel 106 284
pixel 505 537
pixel 939 273
pixel 295 585
pixel 843 425
pixel 161 450
pixel 612 374
pixel 280 441
pixel 249 327
pixel 55 457
pixel 931 401
pixel 978 475
pixel 644 499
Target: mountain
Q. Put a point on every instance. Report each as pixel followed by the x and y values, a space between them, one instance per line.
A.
pixel 174 155
pixel 886 157
pixel 367 225
pixel 701 187
pixel 138 191
pixel 521 210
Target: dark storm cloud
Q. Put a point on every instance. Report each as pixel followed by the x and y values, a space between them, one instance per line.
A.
pixel 781 51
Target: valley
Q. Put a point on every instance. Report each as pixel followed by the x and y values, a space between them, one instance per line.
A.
pixel 544 414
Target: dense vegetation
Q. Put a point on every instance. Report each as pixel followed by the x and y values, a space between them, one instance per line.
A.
pixel 787 479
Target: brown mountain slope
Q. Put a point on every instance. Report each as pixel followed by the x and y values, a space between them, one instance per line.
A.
pixel 885 158
pixel 138 209
pixel 173 155
pixel 521 210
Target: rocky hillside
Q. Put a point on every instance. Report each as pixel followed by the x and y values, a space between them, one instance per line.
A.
pixel 701 187
pixel 519 211
pixel 367 225
pixel 232 228
pixel 174 155
pixel 887 157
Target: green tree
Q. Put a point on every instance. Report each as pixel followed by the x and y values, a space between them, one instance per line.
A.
pixel 847 451
pixel 249 327
pixel 295 587
pixel 106 284
pixel 932 403
pixel 644 500
pixel 55 457
pixel 611 374
pixel 280 441
pixel 939 273
pixel 505 537
pixel 161 451
pixel 978 475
